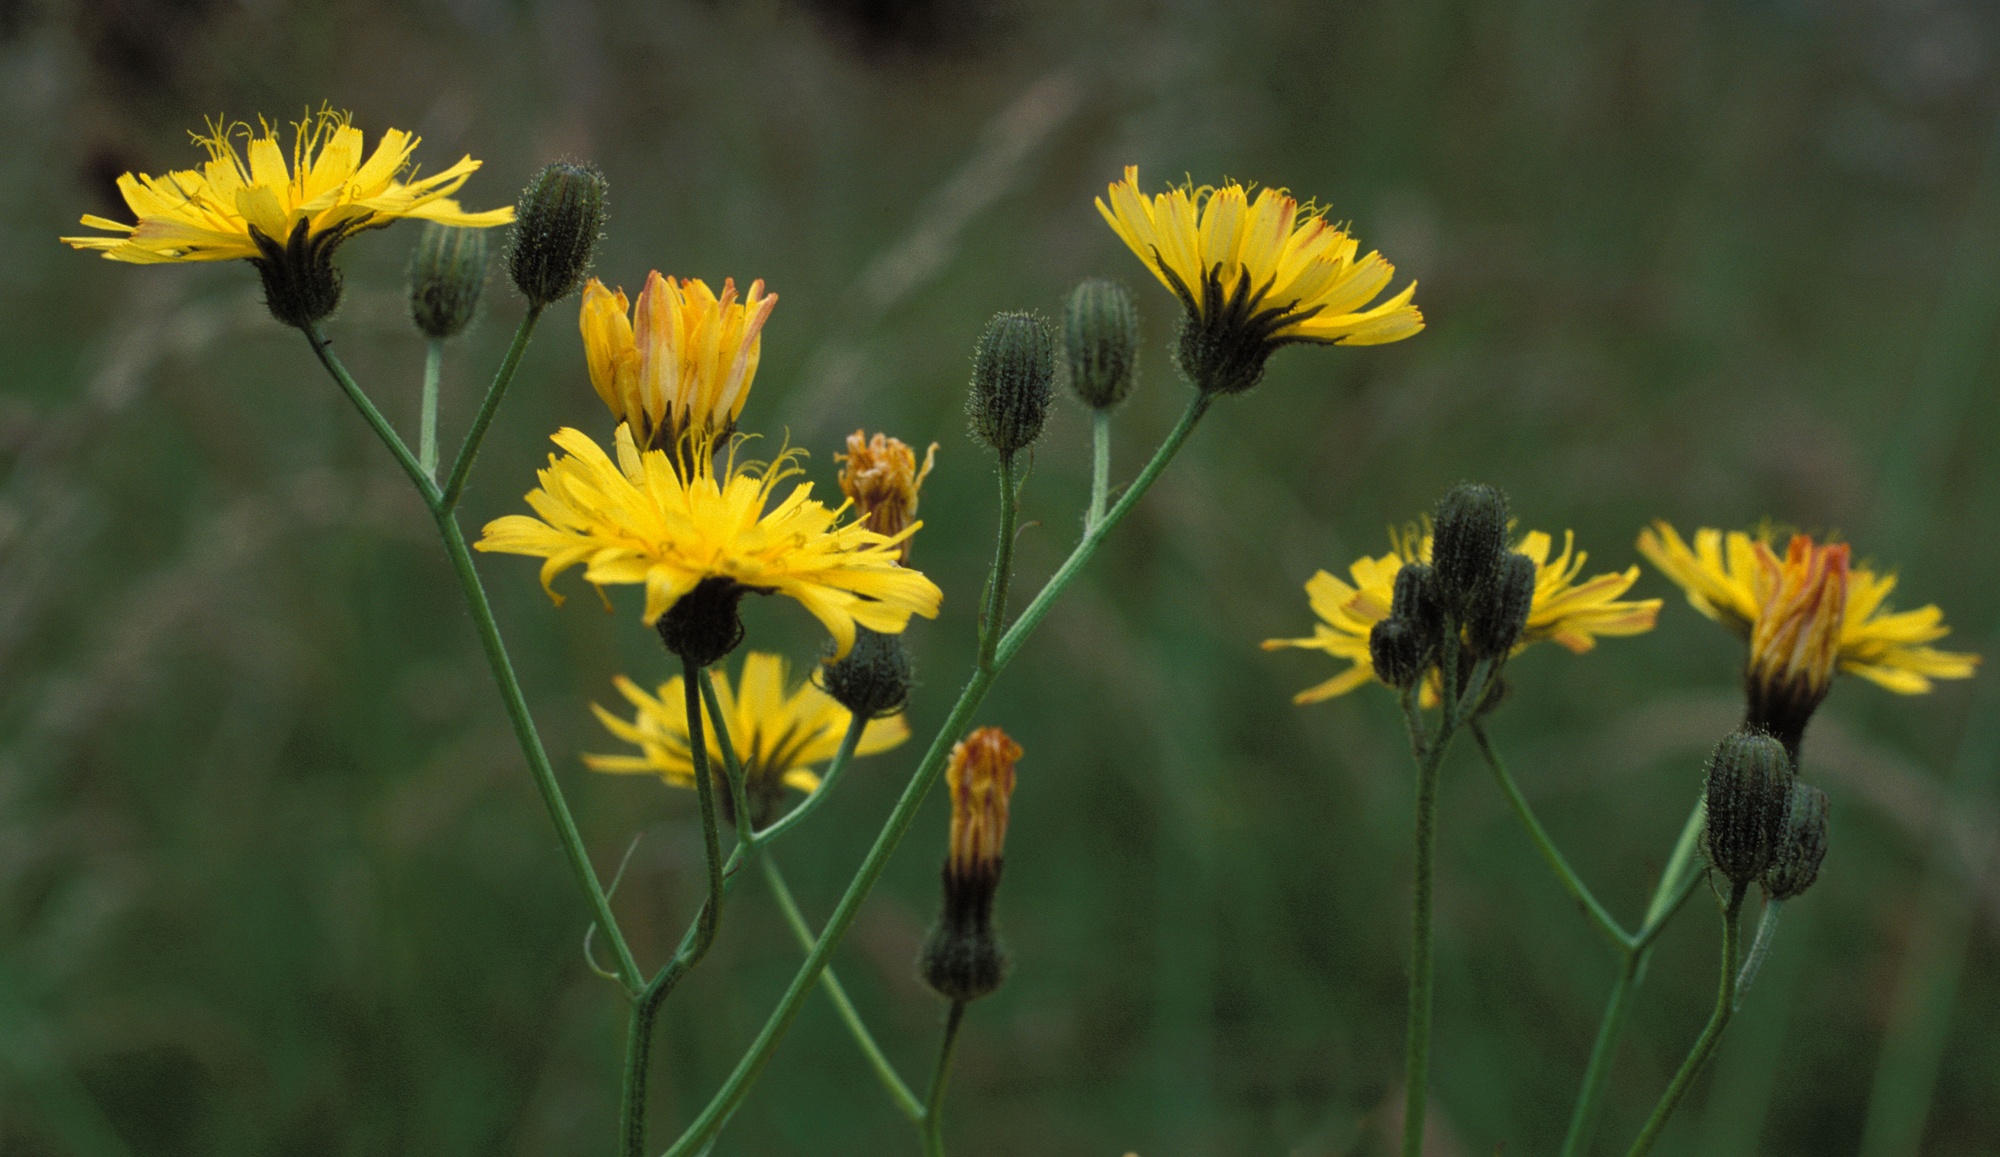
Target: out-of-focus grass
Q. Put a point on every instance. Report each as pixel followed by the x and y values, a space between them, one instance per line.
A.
pixel 272 878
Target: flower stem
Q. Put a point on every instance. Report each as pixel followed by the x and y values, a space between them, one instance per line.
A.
pixel 1760 947
pixel 1675 885
pixel 992 618
pixel 1612 930
pixel 1704 1045
pixel 1417 1054
pixel 427 430
pixel 886 1072
pixel 1100 466
pixel 732 765
pixel 723 1104
pixel 495 649
pixel 646 1009
pixel 933 1119
pixel 461 467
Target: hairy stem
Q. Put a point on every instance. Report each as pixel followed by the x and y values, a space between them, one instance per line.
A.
pixel 933 1120
pixel 461 467
pixel 993 618
pixel 1100 466
pixel 1704 1045
pixel 427 429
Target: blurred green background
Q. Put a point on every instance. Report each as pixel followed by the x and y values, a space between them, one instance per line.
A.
pixel 274 880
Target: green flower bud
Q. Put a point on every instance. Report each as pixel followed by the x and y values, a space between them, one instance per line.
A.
pixel 1416 602
pixel 1396 649
pixel 301 286
pixel 447 273
pixel 1468 534
pixel 556 228
pixel 1749 795
pixel 1101 342
pixel 874 679
pixel 1013 375
pixel 1801 847
pixel 1500 609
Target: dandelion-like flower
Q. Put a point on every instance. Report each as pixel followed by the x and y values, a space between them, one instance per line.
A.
pixel 678 364
pixel 1806 615
pixel 881 477
pixel 698 543
pixel 1571 614
pixel 286 217
pixel 1254 275
pixel 781 732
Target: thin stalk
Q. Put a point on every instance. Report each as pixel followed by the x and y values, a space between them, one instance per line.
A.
pixel 834 770
pixel 1100 466
pixel 1676 884
pixel 1417 1057
pixel 1760 947
pixel 892 1081
pixel 495 648
pixel 427 429
pixel 1704 1045
pixel 1612 930
pixel 739 793
pixel 461 467
pixel 992 619
pixel 376 421
pixel 719 1108
pixel 933 1121
pixel 646 1009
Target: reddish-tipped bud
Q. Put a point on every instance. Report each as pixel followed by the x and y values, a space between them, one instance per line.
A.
pixel 962 959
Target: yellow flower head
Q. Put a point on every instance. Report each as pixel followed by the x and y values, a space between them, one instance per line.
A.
pixel 1571 614
pixel 678 367
pixel 1806 615
pixel 881 477
pixel 638 520
pixel 780 733
pixel 1256 274
pixel 981 776
pixel 327 190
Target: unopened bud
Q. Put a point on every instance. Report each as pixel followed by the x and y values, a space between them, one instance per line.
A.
pixel 874 679
pixel 556 227
pixel 1499 611
pixel 1468 534
pixel 1749 793
pixel 1416 602
pixel 1101 342
pixel 301 286
pixel 447 273
pixel 1398 653
pixel 1013 375
pixel 1802 846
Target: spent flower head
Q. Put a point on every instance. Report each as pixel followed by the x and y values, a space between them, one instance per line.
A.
pixel 881 477
pixel 962 959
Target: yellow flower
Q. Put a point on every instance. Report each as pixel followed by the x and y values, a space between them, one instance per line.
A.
pixel 637 520
pixel 1805 616
pixel 1571 614
pixel 680 365
pixel 1255 275
pixel 881 477
pixel 779 734
pixel 328 191
pixel 981 776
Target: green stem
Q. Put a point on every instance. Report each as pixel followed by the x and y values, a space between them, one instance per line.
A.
pixel 646 1009
pixel 1704 1045
pixel 427 430
pixel 1100 466
pixel 886 1072
pixel 461 467
pixel 723 1104
pixel 1760 947
pixel 932 1125
pixel 856 725
pixel 497 659
pixel 732 764
pixel 1417 1057
pixel 993 618
pixel 376 421
pixel 1612 930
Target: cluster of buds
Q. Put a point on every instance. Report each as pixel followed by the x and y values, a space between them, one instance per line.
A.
pixel 1764 825
pixel 962 959
pixel 1474 589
